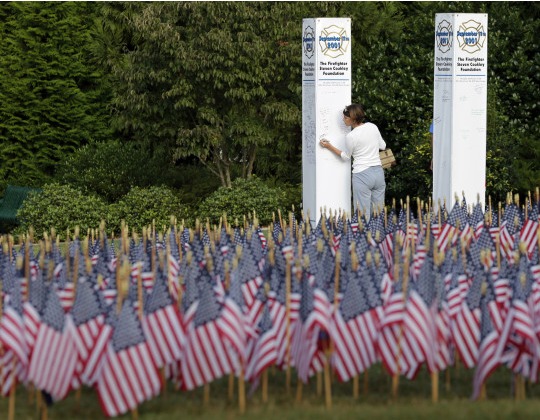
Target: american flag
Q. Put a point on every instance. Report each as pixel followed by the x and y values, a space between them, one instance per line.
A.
pixel 477 220
pixel 65 289
pixel 383 281
pixel 354 223
pixel 278 313
pixel 458 285
pixel 249 276
pixel 264 352
pixel 377 229
pixel 392 347
pixel 233 320
pixel 262 237
pixel 11 323
pixel 162 325
pixel 362 246
pixel 529 231
pixel 129 375
pixel 173 268
pixel 353 330
pixel 190 297
pixel 91 334
pixel 488 359
pixel 449 229
pixel 466 330
pixel 420 314
pixel 255 245
pixel 443 324
pixel 12 339
pixel 519 347
pixel 238 238
pixel 205 356
pixel 276 231
pixel 511 224
pixel 313 319
pixel 53 362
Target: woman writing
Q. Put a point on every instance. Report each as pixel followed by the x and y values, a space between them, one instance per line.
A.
pixel 362 144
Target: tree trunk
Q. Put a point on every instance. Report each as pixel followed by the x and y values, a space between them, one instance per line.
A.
pixel 251 161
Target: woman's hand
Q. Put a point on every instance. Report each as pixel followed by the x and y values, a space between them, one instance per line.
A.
pixel 324 143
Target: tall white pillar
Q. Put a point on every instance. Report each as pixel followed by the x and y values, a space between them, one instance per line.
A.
pixel 460 107
pixel 326 90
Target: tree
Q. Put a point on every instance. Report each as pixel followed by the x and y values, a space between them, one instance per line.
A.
pixel 222 81
pixel 52 99
pixel 210 79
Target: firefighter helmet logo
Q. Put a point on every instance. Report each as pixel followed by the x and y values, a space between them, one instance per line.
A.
pixel 308 41
pixel 444 36
pixel 471 36
pixel 334 41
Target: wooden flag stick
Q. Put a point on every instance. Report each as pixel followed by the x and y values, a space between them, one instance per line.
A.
pixel 230 387
pixel 264 387
pixel 42 407
pixel 356 386
pixel 38 402
pixel 518 387
pixel 366 382
pixel 299 389
pixel 12 391
pixel 288 325
pixel 206 396
pixel 319 384
pixel 434 387
pixel 241 391
pixel 327 382
pixel 395 378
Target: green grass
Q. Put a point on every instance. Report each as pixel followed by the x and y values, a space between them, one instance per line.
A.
pixel 413 402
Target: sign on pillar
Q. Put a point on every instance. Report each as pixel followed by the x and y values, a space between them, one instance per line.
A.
pixel 459 108
pixel 326 90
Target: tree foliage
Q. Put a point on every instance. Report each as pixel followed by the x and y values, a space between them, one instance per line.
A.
pixel 61 207
pixel 221 81
pixel 141 207
pixel 213 80
pixel 219 84
pixel 51 97
pixel 110 169
pixel 244 198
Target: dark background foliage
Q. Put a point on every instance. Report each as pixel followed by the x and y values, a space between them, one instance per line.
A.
pixel 105 97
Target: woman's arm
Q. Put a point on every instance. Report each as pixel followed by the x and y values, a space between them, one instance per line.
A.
pixel 327 145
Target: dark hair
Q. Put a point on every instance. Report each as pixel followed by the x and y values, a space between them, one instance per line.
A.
pixel 355 112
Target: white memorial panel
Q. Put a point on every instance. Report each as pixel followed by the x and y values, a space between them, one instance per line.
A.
pixel 326 90
pixel 459 108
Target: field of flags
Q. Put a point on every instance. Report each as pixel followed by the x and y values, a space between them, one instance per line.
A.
pixel 406 289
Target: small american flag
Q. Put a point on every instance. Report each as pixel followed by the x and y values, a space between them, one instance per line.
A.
pixel 128 361
pixel 162 325
pixel 353 331
pixel 264 352
pixel 488 359
pixel 12 337
pixel 466 331
pixel 91 334
pixel 205 356
pixel 53 362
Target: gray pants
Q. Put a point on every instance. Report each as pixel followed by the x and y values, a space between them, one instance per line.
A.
pixel 368 190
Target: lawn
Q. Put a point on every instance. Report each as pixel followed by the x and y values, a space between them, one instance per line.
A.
pixel 413 401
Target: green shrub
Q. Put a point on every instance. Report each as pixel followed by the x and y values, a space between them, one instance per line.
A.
pixel 110 169
pixel 244 197
pixel 61 207
pixel 141 206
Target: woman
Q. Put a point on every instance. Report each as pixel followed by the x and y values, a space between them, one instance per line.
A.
pixel 363 144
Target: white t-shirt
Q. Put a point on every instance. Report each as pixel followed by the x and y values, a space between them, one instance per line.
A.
pixel 363 144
